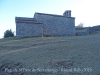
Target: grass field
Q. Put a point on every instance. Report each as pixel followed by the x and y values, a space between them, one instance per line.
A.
pixel 53 53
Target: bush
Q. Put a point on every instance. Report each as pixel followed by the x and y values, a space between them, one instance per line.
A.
pixel 8 33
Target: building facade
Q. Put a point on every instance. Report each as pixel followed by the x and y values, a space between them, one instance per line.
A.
pixel 46 25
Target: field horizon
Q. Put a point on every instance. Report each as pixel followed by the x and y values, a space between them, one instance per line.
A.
pixel 70 52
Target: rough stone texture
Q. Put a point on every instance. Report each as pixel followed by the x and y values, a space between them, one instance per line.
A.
pixel 94 28
pixel 24 19
pixel 82 31
pixel 56 25
pixel 28 28
pixel 67 13
pixel 45 25
pixel 86 30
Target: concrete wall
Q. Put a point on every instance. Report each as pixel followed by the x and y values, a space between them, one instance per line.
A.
pixel 56 25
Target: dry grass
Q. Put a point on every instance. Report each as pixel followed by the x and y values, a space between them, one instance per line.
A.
pixel 53 52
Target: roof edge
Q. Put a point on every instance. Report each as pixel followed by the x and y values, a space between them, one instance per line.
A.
pixel 52 15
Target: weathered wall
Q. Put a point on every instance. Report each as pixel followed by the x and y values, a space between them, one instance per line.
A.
pixel 86 30
pixel 56 25
pixel 94 28
pixel 27 27
pixel 82 31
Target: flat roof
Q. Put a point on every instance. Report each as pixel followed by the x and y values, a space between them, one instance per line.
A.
pixel 26 20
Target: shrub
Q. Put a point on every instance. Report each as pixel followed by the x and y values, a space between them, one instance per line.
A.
pixel 8 33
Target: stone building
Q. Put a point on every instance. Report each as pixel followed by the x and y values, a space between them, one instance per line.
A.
pixel 46 25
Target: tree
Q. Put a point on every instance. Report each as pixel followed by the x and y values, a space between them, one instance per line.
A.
pixel 80 25
pixel 8 33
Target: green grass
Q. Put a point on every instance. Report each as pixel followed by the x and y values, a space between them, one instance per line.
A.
pixel 53 52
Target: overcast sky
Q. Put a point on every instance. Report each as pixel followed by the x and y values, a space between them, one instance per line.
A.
pixel 85 11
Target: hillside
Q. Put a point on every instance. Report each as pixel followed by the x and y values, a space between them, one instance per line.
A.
pixel 69 52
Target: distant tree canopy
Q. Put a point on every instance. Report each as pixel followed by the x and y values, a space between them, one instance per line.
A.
pixel 80 25
pixel 8 33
